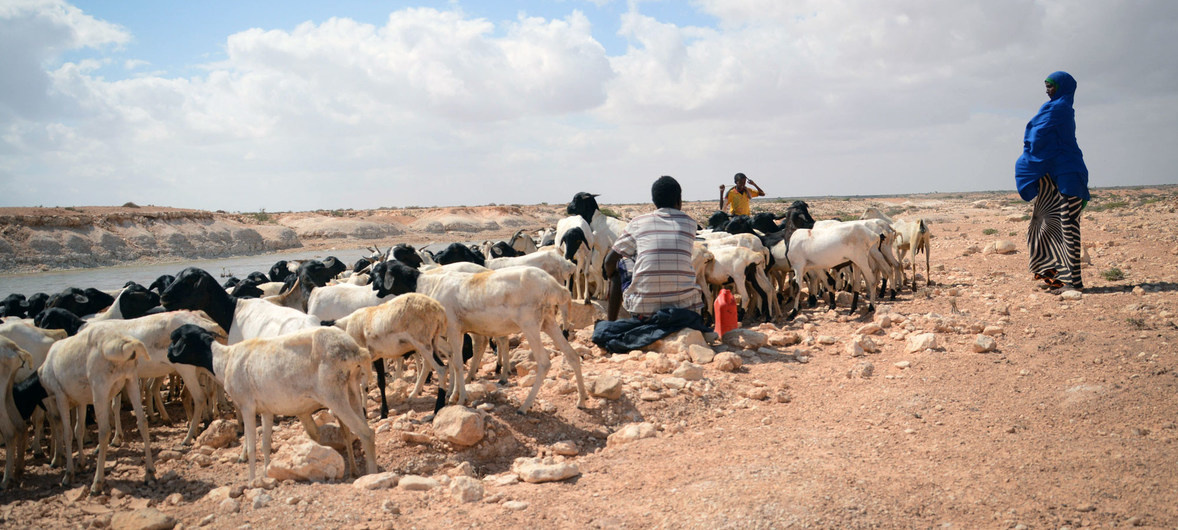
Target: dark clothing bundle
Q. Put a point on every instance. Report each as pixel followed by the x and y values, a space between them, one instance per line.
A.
pixel 621 336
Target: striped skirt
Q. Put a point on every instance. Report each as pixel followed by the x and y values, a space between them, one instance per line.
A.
pixel 1053 239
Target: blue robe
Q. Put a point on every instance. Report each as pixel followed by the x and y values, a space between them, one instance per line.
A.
pixel 1049 146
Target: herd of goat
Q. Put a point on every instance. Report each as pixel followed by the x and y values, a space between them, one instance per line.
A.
pixel 302 337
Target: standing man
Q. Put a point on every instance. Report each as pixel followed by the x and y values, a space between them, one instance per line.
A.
pixel 660 243
pixel 738 198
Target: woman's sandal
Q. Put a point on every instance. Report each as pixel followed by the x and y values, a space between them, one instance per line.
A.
pixel 1048 277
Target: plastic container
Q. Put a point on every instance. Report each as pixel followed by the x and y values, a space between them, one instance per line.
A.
pixel 725 310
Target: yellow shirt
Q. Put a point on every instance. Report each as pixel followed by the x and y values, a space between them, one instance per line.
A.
pixel 738 203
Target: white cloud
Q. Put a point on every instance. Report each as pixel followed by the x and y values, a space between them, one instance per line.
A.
pixel 437 107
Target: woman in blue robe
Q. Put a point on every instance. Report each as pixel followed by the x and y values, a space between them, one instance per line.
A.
pixel 1051 172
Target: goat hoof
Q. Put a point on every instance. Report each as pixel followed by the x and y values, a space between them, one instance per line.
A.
pixel 96 489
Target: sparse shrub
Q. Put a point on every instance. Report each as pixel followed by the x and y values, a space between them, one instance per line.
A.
pixel 260 216
pixel 1013 233
pixel 1114 274
pixel 1109 206
pixel 1136 323
pixel 990 231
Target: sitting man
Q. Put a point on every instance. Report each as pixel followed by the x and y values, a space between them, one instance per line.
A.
pixel 660 244
pixel 662 297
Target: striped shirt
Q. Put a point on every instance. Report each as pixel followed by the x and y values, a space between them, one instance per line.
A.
pixel 660 243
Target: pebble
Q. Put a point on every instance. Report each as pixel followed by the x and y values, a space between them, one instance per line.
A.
pixel 903 364
pixel 515 505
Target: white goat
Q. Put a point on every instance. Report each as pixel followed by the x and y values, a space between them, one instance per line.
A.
pixel 734 262
pixel 293 374
pixel 496 304
pixel 912 237
pixel 813 249
pixel 241 318
pixel 582 255
pixel 36 341
pixel 154 332
pixel 12 424
pixel 407 323
pixel 87 369
pixel 549 261
pixel 337 301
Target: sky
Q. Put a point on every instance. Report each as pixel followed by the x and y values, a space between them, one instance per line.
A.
pixel 306 105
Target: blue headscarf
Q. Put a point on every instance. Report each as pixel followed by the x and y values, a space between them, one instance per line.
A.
pixel 1049 145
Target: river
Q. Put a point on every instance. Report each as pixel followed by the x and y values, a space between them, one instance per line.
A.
pixel 108 278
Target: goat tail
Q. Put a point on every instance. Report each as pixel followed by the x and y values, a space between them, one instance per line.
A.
pixel 125 349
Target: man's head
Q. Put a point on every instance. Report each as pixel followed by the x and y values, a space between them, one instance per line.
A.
pixel 666 193
pixel 739 179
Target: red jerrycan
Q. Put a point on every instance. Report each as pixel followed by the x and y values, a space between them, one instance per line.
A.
pixel 725 311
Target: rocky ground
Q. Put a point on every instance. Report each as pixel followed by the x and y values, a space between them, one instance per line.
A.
pixel 980 401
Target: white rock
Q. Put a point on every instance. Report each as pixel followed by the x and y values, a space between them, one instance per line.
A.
pixel 565 448
pixel 984 343
pixel 466 489
pixel 658 363
pixel 921 342
pixel 459 425
pixel 869 329
pixel 631 432
pixel 745 338
pixel 229 506
pixel 377 481
pixel 145 519
pixel 606 386
pixel 261 500
pixel 218 494
pixel 854 349
pixel 306 461
pixel 536 470
pixel 701 354
pixel 515 505
pixel 903 364
pixel 862 370
pixel 1005 246
pixel 678 342
pixel 1071 294
pixel 784 338
pixel 220 434
pixel 827 339
pixel 727 362
pixel 993 330
pixel 689 371
pixel 417 483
